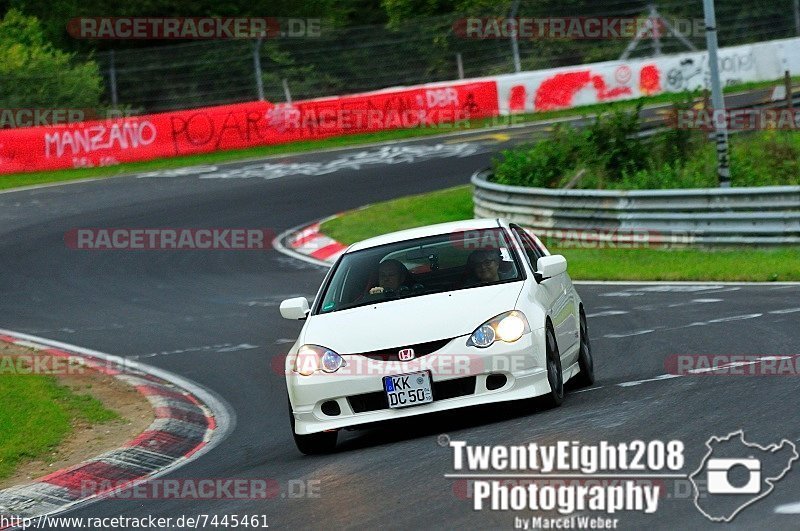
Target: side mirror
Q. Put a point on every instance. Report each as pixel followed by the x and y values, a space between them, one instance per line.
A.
pixel 295 309
pixel 550 266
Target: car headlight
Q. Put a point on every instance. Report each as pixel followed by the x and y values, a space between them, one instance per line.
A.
pixel 507 327
pixel 311 358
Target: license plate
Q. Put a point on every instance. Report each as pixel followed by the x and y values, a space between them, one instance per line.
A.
pixel 408 389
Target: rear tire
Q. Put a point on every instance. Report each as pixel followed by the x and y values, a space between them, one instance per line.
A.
pixel 555 376
pixel 585 377
pixel 313 443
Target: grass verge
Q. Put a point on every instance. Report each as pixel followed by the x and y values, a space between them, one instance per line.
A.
pixel 33 178
pixel 752 265
pixel 38 414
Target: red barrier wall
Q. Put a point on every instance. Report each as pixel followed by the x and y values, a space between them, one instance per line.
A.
pixel 103 143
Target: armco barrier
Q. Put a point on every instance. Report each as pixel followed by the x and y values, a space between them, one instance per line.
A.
pixel 767 215
pixel 103 143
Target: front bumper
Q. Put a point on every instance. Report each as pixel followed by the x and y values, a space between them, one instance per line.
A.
pixel 458 374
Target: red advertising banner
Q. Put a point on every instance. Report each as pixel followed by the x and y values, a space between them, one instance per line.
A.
pixel 109 142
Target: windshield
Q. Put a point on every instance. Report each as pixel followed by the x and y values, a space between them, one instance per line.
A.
pixel 422 266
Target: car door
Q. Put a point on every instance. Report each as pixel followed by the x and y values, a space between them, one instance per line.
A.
pixel 555 296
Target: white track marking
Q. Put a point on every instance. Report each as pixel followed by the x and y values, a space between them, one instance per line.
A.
pixel 738 364
pixel 690 303
pixel 725 366
pixel 670 287
pixel 651 307
pixel 731 318
pixel 236 348
pixel 788 508
pixel 717 321
pixel 678 288
pixel 607 313
pixel 724 290
pixel 587 390
pixel 663 377
pixel 633 383
pixel 629 334
pixel 736 318
pixel 221 347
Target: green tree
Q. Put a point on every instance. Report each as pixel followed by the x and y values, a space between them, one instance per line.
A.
pixel 34 74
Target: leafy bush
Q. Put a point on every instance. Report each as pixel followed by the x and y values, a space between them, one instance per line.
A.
pixel 769 158
pixel 612 145
pixel 541 164
pixel 607 149
pixel 34 74
pixel 613 156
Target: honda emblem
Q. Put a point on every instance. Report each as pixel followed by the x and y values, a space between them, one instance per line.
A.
pixel 406 354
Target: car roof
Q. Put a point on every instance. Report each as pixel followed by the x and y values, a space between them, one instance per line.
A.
pixel 429 230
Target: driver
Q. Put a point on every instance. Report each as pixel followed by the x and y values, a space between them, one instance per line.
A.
pixel 484 267
pixel 392 275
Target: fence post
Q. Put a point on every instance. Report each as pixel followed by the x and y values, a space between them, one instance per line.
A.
pixel 514 43
pixel 654 18
pixel 112 79
pixel 257 68
pixel 797 16
pixel 286 92
pixel 787 80
pixel 717 98
pixel 460 66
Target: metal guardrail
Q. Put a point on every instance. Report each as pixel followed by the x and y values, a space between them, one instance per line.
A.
pixel 767 215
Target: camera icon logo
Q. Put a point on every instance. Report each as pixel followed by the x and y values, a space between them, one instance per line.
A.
pixel 736 473
pixel 718 480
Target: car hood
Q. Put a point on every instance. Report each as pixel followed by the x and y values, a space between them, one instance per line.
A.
pixel 410 321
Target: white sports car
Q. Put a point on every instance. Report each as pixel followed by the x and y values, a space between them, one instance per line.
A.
pixel 431 319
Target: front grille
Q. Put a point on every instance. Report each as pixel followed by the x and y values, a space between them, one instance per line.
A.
pixel 420 349
pixel 441 391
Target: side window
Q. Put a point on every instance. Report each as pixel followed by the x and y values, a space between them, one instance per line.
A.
pixel 532 252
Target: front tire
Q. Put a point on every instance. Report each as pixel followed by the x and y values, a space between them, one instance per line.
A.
pixel 585 377
pixel 313 443
pixel 555 376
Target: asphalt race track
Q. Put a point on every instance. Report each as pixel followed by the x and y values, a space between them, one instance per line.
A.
pixel 212 316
